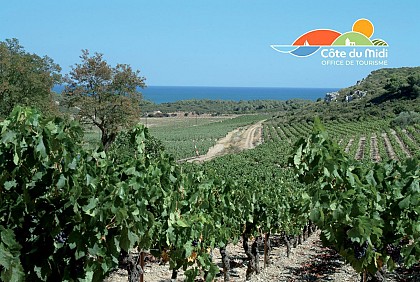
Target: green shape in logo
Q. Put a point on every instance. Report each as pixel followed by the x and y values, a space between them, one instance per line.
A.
pixel 352 38
pixel 379 42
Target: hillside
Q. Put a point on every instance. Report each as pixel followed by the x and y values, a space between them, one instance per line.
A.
pixel 383 94
pixel 387 84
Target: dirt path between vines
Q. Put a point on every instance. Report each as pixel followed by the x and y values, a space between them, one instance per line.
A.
pixel 349 145
pixel 309 261
pixel 360 153
pixel 401 144
pixel 388 147
pixel 409 136
pixel 374 151
pixel 235 141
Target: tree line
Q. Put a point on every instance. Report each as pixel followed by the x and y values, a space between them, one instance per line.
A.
pixel 97 93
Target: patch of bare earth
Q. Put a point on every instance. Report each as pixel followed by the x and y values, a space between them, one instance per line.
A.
pixel 307 262
pixel 401 144
pixel 360 149
pixel 235 141
pixel 388 147
pixel 349 145
pixel 374 151
pixel 409 136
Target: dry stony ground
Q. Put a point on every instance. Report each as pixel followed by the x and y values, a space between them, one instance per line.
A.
pixel 237 140
pixel 308 262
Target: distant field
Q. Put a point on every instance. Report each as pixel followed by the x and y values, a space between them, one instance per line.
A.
pixel 181 136
pixel 183 121
pixel 371 140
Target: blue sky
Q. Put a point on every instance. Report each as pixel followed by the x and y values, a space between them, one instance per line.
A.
pixel 209 43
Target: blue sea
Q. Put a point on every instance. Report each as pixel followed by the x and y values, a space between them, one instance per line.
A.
pixel 163 94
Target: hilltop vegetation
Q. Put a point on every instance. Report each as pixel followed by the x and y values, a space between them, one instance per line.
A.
pixel 217 107
pixel 389 93
pixel 388 84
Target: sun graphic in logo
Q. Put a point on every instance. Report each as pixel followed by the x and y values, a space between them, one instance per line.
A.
pixel 363 26
pixel 310 42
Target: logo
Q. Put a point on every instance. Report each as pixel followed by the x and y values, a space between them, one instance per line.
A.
pixel 355 44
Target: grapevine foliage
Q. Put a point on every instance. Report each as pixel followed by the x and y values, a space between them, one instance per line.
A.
pixel 66 213
pixel 370 214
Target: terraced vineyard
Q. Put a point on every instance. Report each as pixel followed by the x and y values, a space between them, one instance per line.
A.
pixel 372 140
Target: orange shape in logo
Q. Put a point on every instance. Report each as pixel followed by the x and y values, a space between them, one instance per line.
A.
pixel 317 37
pixel 363 26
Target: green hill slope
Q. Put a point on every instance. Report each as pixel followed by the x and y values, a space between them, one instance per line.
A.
pixel 387 84
pixel 383 94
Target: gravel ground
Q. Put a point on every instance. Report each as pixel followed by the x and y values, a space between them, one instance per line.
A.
pixel 310 261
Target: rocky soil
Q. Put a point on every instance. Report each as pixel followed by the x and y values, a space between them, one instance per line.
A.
pixel 237 140
pixel 309 261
